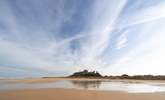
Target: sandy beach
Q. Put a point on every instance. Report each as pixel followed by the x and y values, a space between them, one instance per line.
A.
pixel 70 94
pixel 75 94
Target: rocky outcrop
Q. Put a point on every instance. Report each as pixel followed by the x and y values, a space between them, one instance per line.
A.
pixel 86 73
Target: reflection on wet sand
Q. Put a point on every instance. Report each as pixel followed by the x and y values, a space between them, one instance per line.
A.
pixel 131 86
pixel 86 84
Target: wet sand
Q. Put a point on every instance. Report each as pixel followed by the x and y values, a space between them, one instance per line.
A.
pixel 71 94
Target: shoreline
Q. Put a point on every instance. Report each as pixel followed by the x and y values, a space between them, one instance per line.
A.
pixel 54 79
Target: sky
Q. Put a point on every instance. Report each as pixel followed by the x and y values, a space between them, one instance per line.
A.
pixel 59 37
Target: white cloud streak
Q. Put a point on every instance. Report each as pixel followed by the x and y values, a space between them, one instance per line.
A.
pixel 122 40
pixel 144 58
pixel 144 15
pixel 103 20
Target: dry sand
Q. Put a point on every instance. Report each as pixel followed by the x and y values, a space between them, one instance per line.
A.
pixel 70 94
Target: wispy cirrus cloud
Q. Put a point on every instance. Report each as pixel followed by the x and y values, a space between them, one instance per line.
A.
pixel 102 23
pixel 60 37
pixel 144 15
pixel 122 40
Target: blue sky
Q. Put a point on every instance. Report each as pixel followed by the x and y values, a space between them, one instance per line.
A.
pixel 59 37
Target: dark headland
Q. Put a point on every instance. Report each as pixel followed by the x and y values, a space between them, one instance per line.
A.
pixel 86 73
pixel 96 74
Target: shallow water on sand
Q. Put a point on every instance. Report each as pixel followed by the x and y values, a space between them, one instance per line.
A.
pixel 108 85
